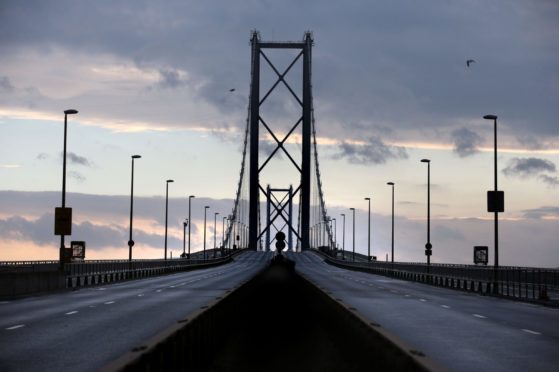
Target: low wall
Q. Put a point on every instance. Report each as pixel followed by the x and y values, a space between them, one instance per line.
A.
pixel 22 283
pixel 276 321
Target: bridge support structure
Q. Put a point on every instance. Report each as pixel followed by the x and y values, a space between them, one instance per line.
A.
pixel 256 121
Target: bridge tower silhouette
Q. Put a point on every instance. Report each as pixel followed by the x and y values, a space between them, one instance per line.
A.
pixel 312 228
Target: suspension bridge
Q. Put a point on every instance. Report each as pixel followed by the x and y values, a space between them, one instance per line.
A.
pixel 249 307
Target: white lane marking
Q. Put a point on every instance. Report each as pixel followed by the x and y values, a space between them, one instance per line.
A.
pixel 531 332
pixel 422 300
pixel 4 302
pixel 393 291
pixel 445 306
pixel 479 316
pixel 71 312
pixel 171 286
pixel 101 289
pixel 159 290
pixel 109 302
pixel 15 327
pixel 406 295
pixel 141 295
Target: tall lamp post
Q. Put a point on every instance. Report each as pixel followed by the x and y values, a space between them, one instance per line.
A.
pixel 215 233
pixel 335 243
pixel 495 202
pixel 130 241
pixel 392 184
pixel 428 245
pixel 223 234
pixel 369 231
pixel 205 210
pixel 62 245
pixel 166 213
pixel 189 223
pixel 353 209
pixel 343 236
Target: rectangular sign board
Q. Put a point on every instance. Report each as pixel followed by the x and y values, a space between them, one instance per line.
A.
pixel 481 255
pixel 495 201
pixel 62 221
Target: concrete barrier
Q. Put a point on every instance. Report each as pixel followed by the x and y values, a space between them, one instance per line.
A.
pixel 23 283
pixel 277 321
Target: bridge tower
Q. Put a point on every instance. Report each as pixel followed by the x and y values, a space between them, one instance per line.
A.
pixel 255 122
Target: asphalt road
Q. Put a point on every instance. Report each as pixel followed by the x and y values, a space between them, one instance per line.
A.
pixel 460 331
pixel 84 330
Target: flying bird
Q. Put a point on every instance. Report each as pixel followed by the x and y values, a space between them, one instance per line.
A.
pixel 232 89
pixel 470 61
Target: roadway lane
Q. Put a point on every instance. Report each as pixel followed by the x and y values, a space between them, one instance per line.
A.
pixel 461 331
pixel 85 329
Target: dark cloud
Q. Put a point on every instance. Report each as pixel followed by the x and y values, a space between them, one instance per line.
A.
pixel 538 213
pixel 551 181
pixel 76 159
pixel 375 151
pixel 76 176
pixel 528 167
pixel 170 78
pixel 6 84
pixel 466 142
pixel 42 156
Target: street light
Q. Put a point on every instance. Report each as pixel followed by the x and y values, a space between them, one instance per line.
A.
pixel 223 235
pixel 428 245
pixel 205 210
pixel 62 245
pixel 215 233
pixel 343 236
pixel 130 241
pixel 392 184
pixel 493 203
pixel 167 213
pixel 335 242
pixel 369 231
pixel 189 223
pixel 353 209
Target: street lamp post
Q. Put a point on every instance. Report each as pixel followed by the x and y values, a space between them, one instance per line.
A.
pixel 494 205
pixel 62 245
pixel 343 236
pixel 205 210
pixel 369 231
pixel 392 184
pixel 428 245
pixel 335 242
pixel 353 209
pixel 130 241
pixel 167 213
pixel 215 233
pixel 223 235
pixel 189 223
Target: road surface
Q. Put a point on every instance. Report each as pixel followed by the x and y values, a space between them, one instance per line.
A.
pixel 84 330
pixel 459 330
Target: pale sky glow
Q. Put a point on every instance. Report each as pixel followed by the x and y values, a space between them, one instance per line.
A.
pixel 390 87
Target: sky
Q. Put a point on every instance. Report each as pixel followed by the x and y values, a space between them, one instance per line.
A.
pixel 390 87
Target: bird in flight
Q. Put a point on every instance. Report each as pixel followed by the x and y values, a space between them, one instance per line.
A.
pixel 470 61
pixel 232 89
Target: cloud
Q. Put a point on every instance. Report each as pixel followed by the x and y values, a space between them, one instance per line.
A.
pixel 42 156
pixel 6 84
pixel 77 176
pixel 528 167
pixel 538 213
pixel 466 142
pixel 375 151
pixel 551 181
pixel 76 159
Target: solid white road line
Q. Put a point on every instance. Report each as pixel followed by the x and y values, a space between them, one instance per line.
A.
pixel 445 306
pixel 71 312
pixel 15 327
pixel 422 300
pixel 531 332
pixel 109 302
pixel 479 316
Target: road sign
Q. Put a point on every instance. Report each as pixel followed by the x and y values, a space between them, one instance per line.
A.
pixel 495 201
pixel 481 255
pixel 62 221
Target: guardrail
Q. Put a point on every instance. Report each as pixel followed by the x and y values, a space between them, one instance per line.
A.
pixel 508 281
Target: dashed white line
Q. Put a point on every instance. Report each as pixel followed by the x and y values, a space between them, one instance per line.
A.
pixel 407 296
pixel 159 290
pixel 4 302
pixel 479 316
pixel 109 302
pixel 15 327
pixel 422 300
pixel 531 332
pixel 141 295
pixel 445 306
pixel 71 312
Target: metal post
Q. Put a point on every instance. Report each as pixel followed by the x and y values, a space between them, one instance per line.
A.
pixel 130 241
pixel 223 233
pixel 343 237
pixel 184 239
pixel 369 231
pixel 306 145
pixel 392 259
pixel 189 222
pixel 353 209
pixel 290 232
pixel 428 245
pixel 215 233
pixel 254 139
pixel 268 202
pixel 496 212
